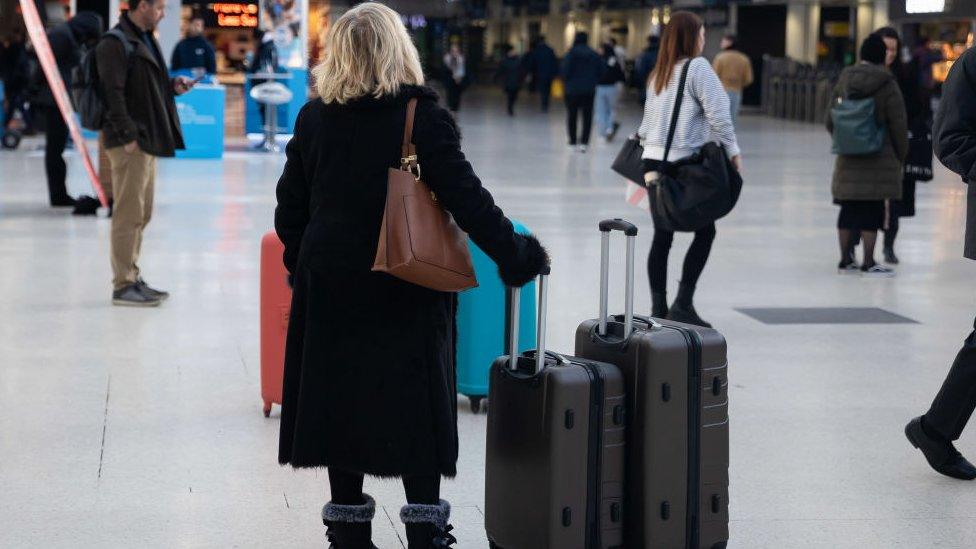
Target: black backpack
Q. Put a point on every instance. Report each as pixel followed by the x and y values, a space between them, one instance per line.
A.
pixel 86 90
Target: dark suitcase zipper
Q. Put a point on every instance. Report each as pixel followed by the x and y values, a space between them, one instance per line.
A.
pixel 594 459
pixel 692 516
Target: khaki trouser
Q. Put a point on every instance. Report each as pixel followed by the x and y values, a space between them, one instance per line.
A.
pixel 104 167
pixel 133 186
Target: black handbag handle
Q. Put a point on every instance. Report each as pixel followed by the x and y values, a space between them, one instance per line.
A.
pixel 677 109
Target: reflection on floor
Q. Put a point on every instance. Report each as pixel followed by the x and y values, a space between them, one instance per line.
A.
pixel 143 428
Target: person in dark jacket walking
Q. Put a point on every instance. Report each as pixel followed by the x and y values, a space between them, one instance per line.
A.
pixel 511 75
pixel 861 184
pixel 543 68
pixel 954 133
pixel 581 71
pixel 194 52
pixel 644 65
pixel 369 383
pixel 607 92
pixel 68 40
pixel 140 125
pixel 15 73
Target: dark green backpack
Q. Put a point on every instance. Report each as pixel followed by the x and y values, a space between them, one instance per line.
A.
pixel 856 128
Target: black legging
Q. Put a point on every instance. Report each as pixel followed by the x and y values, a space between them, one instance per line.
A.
pixel 512 98
pixel 577 104
pixel 891 231
pixel 55 139
pixel 695 259
pixel 454 90
pixel 347 488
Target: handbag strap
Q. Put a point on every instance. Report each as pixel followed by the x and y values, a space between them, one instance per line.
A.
pixel 408 153
pixel 677 109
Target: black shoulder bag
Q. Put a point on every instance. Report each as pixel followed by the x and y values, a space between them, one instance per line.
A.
pixel 695 191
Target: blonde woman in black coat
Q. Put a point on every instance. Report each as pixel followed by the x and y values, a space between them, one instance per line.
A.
pixel 369 383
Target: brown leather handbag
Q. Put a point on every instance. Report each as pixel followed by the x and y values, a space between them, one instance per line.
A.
pixel 419 240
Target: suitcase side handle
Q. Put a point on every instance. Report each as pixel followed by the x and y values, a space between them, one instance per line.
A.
pixel 515 301
pixel 630 230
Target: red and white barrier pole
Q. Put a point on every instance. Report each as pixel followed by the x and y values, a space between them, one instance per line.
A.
pixel 38 36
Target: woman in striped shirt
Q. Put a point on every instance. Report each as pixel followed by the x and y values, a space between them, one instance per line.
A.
pixel 704 116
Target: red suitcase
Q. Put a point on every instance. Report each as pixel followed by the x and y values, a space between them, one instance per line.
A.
pixel 275 308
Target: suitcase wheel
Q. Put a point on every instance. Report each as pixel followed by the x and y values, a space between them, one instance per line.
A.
pixel 267 409
pixel 10 139
pixel 478 404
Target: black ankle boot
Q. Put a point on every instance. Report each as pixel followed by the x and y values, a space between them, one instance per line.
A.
pixel 683 310
pixel 659 304
pixel 427 525
pixel 889 255
pixel 349 526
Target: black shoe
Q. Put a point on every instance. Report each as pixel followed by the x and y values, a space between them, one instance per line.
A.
pixel 151 292
pixel 889 256
pixel 686 315
pixel 63 202
pixel 349 526
pixel 133 296
pixel 683 309
pixel 427 525
pixel 940 453
pixel 86 205
pixel 848 267
pixel 613 131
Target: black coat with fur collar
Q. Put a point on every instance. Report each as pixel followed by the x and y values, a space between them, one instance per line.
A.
pixel 369 367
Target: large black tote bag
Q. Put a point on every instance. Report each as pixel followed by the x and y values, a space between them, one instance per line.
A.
pixel 693 192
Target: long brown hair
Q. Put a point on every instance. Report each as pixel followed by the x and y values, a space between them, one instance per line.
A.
pixel 680 40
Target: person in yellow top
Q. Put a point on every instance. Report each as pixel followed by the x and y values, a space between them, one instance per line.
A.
pixel 734 69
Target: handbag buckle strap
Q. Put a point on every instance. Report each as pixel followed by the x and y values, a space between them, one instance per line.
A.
pixel 410 164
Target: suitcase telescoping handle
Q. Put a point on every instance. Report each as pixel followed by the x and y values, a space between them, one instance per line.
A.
pixel 515 297
pixel 630 230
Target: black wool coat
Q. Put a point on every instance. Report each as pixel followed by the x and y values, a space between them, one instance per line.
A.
pixel 369 365
pixel 954 133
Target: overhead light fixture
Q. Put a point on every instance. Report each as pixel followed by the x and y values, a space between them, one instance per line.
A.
pixel 924 6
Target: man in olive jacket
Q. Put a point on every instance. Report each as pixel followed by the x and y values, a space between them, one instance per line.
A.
pixel 954 136
pixel 141 124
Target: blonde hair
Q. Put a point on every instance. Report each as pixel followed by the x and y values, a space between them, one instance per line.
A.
pixel 367 52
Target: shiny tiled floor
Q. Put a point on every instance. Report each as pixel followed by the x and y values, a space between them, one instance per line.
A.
pixel 143 428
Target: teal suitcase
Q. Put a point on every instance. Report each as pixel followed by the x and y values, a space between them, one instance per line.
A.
pixel 482 324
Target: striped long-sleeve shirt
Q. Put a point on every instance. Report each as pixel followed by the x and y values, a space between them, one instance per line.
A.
pixel 704 116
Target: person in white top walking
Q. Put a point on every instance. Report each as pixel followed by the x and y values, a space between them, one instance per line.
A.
pixel 704 116
pixel 456 76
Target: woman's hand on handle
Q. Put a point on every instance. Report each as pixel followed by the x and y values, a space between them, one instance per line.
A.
pixel 737 162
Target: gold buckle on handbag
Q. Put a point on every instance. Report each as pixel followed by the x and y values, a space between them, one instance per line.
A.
pixel 410 164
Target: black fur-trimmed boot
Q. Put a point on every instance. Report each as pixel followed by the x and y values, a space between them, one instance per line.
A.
pixel 427 525
pixel 349 526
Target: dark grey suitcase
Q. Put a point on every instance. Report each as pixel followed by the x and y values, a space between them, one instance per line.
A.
pixel 554 475
pixel 678 423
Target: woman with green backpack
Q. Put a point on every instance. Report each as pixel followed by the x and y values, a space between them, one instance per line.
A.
pixel 870 138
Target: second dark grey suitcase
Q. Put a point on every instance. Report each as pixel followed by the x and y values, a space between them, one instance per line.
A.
pixel 678 424
pixel 554 474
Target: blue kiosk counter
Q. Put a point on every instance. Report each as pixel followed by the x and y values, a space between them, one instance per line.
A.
pixel 201 112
